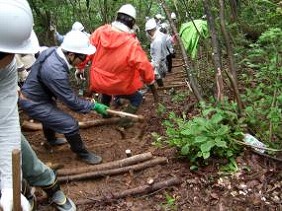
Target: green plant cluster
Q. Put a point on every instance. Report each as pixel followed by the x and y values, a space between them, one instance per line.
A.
pixel 264 99
pixel 211 133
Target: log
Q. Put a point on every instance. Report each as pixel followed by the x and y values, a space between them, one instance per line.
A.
pixel 169 87
pixel 141 190
pixel 34 126
pixel 16 169
pixel 107 172
pixel 110 165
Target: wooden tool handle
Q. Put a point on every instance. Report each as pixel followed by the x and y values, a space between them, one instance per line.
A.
pixel 125 114
pixel 16 162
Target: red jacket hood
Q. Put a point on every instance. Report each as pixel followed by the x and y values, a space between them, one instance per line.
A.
pixel 107 33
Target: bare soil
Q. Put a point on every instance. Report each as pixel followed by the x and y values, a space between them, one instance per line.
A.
pixel 256 186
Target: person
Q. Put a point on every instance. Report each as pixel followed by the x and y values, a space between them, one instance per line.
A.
pixel 158 18
pixel 15 17
pixel 120 67
pixel 24 63
pixel 48 81
pixel 169 46
pixel 76 26
pixel 158 50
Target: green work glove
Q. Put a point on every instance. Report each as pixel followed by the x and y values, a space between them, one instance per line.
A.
pixel 100 108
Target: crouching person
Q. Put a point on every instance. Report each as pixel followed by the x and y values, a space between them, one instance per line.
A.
pixel 48 81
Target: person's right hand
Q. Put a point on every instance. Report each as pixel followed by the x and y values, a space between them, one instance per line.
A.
pixel 6 201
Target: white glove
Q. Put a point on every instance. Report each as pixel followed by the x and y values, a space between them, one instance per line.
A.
pixel 79 75
pixel 6 201
pixel 22 75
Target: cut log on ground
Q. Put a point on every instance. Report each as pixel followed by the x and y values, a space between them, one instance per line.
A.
pixel 169 87
pixel 141 190
pixel 96 174
pixel 110 165
pixel 34 126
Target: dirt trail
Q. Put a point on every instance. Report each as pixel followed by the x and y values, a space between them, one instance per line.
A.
pixel 198 190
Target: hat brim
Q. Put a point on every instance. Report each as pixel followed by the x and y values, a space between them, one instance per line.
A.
pixel 91 49
pixel 29 46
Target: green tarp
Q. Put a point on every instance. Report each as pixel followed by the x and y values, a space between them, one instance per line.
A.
pixel 190 35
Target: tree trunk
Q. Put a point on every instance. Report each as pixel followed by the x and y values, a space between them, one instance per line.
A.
pixel 216 51
pixel 233 76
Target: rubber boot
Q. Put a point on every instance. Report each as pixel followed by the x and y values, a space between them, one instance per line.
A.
pixel 58 198
pixel 78 147
pixel 51 137
pixel 160 82
pixel 27 192
pixel 126 122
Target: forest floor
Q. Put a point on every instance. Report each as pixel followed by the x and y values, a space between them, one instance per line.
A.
pixel 255 186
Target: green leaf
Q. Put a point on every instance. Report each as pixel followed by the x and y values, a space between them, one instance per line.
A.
pixel 206 155
pixel 185 149
pixel 200 139
pixel 206 147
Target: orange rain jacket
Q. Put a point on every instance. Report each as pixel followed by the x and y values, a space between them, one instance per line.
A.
pixel 120 66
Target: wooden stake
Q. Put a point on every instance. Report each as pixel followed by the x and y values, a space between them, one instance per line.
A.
pixel 16 162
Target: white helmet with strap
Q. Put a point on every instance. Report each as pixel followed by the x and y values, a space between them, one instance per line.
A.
pixel 150 24
pixel 77 26
pixel 16 25
pixel 78 42
pixel 128 9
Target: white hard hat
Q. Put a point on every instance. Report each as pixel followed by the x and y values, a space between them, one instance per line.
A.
pixel 173 16
pixel 77 42
pixel 158 16
pixel 150 24
pixel 77 26
pixel 16 23
pixel 164 25
pixel 128 9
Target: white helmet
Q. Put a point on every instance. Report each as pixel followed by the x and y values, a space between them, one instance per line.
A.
pixel 158 16
pixel 16 23
pixel 150 24
pixel 77 26
pixel 128 9
pixel 173 16
pixel 77 42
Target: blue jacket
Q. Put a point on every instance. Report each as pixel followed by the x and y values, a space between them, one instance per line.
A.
pixel 48 79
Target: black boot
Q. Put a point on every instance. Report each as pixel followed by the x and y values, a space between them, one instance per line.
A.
pixel 58 198
pixel 78 147
pixel 51 137
pixel 160 82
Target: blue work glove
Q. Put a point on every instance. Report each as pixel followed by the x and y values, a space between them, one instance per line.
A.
pixel 100 108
